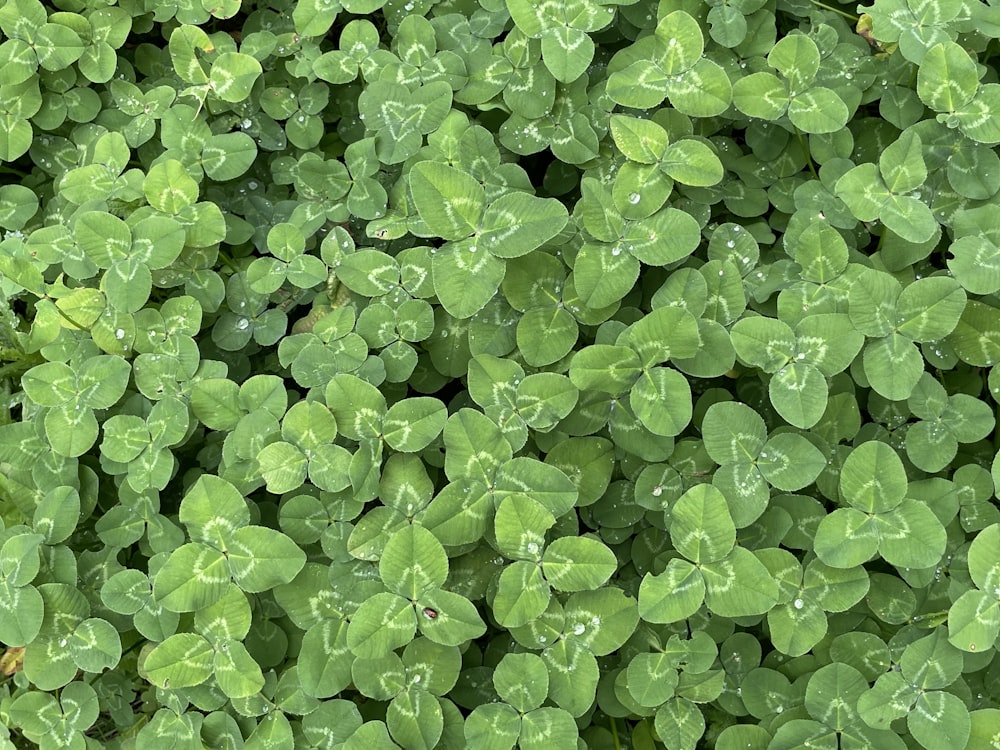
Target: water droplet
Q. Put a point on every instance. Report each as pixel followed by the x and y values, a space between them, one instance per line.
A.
pixel 242 324
pixel 472 248
pixel 798 604
pixel 62 643
pixel 634 198
pixel 532 548
pixel 416 678
pixel 444 334
pixel 542 639
pixel 252 184
pixel 579 628
pixel 779 709
pixel 616 251
pixel 731 244
pixel 120 334
pixel 246 124
pixel 595 621
pixel 657 491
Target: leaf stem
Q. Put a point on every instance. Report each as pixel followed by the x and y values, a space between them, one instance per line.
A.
pixel 846 15
pixel 614 733
pixel 805 147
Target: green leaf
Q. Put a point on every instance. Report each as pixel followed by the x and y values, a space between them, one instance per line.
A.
pixel 521 596
pixel 466 278
pixel 567 52
pixel 733 432
pixel 661 399
pixel 522 681
pixel 872 478
pixel 664 333
pixel 930 309
pixel 651 678
pixel 739 585
pixel 233 75
pixel 939 717
pixel 799 394
pixel 21 611
pixel 517 223
pixel 691 162
pixel 548 726
pixel 182 660
pixel 681 42
pixel 450 202
pixel 673 595
pixel 790 462
pixel 680 724
pixel 763 342
pixel 383 623
pixel 413 562
pixel 818 110
pixel 609 369
pixel 974 620
pixel 212 509
pixel 902 163
pixel 493 726
pixel 761 95
pixel 578 564
pixel 797 58
pixel 261 558
pixel 846 538
pixel 520 526
pixel 448 618
pixel 412 424
pixel 701 528
pixel 947 78
pixel 640 140
pixel 893 365
pixel 236 672
pixel 195 576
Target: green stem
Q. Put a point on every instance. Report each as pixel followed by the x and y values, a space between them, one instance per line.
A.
pixel 20 366
pixel 614 734
pixel 67 317
pixel 846 15
pixel 805 147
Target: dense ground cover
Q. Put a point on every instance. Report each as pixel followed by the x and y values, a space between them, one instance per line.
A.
pixel 569 373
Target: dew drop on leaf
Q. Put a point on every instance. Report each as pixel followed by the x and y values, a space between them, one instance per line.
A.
pixel 798 604
pixel 579 628
pixel 634 198
pixel 120 334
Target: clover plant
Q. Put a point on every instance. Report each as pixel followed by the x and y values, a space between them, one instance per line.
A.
pixel 491 373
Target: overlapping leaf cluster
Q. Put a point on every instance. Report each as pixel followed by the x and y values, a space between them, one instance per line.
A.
pixel 571 373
